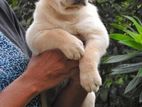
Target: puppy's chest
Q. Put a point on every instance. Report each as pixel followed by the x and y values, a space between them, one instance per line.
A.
pixel 75 28
pixel 71 28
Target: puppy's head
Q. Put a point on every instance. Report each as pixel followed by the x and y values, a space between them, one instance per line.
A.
pixel 67 6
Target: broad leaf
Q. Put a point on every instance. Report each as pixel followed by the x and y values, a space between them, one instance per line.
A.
pixel 132 84
pixel 137 25
pixel 138 20
pixel 132 44
pixel 119 58
pixel 126 40
pixel 119 37
pixel 139 73
pixel 120 27
pixel 126 68
pixel 137 37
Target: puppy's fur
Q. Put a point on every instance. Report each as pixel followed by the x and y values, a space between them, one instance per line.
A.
pixel 65 25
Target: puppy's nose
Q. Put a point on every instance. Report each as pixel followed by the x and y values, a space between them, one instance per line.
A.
pixel 81 2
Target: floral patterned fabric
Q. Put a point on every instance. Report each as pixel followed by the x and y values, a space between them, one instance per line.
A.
pixel 12 64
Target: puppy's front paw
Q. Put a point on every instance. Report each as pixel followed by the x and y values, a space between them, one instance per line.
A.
pixel 73 48
pixel 90 81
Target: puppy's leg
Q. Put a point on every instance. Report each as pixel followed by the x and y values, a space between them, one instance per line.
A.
pixel 89 100
pixel 71 46
pixel 44 40
pixel 89 74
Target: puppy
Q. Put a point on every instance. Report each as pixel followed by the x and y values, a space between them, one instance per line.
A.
pixel 74 27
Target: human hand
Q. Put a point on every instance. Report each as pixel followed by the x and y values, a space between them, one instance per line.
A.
pixel 49 69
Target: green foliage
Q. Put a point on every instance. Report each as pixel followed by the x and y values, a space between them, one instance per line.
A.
pixel 111 10
pixel 126 68
pixel 131 36
pixel 13 3
pixel 24 10
pixel 119 58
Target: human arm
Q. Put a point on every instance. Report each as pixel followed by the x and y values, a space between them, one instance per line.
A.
pixel 36 78
pixel 17 94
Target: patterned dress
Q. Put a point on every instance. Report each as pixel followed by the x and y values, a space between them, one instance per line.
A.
pixel 12 64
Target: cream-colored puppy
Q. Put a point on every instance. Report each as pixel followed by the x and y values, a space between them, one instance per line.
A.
pixel 68 25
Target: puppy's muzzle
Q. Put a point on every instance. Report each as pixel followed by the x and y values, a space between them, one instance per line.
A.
pixel 80 2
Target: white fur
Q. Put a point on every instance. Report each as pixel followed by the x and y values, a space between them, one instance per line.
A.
pixel 55 27
pixel 89 100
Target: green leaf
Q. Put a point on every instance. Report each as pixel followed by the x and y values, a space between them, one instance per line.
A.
pixel 139 74
pixel 137 25
pixel 137 37
pixel 120 27
pixel 119 58
pixel 108 83
pixel 126 68
pixel 139 21
pixel 120 81
pixel 119 37
pixel 14 3
pixel 128 41
pixel 132 44
pixel 132 84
